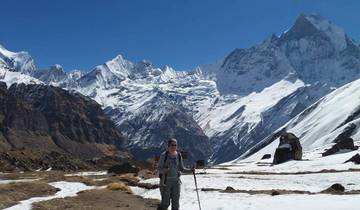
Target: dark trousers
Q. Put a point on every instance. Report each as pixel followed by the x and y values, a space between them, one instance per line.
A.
pixel 170 192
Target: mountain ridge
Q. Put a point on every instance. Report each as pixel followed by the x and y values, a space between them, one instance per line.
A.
pixel 238 100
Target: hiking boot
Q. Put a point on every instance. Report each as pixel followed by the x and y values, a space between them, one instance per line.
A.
pixel 159 208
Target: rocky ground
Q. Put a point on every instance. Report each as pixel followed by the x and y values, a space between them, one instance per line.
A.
pixel 107 191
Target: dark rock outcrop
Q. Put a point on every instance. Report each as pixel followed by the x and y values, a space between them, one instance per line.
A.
pixel 355 159
pixel 123 169
pixel 289 149
pixel 266 156
pixel 342 144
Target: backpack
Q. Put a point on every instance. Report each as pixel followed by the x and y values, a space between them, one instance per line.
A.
pixel 165 159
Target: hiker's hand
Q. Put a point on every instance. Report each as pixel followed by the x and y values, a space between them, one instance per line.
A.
pixel 193 169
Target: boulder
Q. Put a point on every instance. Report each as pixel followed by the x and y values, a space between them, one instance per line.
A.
pixel 123 169
pixel 200 164
pixel 335 188
pixel 342 144
pixel 289 149
pixel 229 189
pixel 282 154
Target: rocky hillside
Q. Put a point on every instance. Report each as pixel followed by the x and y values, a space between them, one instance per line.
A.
pixel 48 119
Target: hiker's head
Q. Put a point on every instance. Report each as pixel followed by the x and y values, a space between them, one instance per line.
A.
pixel 172 145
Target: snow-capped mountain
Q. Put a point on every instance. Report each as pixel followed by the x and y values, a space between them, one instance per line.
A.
pixel 18 62
pixel 56 76
pixel 314 52
pixel 314 49
pixel 52 75
pixel 148 104
pixel 10 77
pixel 235 102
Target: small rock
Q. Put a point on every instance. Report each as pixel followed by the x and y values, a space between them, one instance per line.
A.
pixel 266 156
pixel 274 192
pixel 229 189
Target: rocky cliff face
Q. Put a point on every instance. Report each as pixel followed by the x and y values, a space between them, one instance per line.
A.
pixel 46 118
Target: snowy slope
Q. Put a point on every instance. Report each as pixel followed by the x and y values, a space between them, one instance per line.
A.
pixel 11 77
pixel 231 124
pixel 256 182
pixel 337 113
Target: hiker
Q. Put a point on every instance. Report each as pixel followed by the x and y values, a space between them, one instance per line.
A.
pixel 170 167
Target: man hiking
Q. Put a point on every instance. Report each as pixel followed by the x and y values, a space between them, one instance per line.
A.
pixel 170 167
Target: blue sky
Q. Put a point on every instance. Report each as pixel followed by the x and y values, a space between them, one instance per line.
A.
pixel 180 33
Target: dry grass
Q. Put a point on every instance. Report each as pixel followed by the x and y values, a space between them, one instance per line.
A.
pixel 82 179
pixel 119 186
pixel 12 193
pixel 98 199
pixel 129 178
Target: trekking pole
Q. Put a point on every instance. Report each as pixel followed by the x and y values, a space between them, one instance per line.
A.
pixel 197 192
